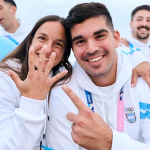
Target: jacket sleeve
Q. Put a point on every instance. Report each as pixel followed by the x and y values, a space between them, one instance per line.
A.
pixel 21 118
pixel 122 141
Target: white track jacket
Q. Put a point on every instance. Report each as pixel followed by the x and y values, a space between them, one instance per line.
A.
pixel 136 135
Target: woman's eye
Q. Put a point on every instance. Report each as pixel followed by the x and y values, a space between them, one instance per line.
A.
pixel 41 38
pixel 58 44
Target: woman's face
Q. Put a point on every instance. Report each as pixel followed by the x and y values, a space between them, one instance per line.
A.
pixel 53 35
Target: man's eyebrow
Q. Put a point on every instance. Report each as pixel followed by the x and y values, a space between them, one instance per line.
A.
pixel 76 38
pixel 100 31
pixel 140 17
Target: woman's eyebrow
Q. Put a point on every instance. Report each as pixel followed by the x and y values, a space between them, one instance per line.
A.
pixel 61 41
pixel 43 34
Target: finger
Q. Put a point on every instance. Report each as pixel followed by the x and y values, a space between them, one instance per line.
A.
pixel 57 77
pixel 49 66
pixel 31 60
pixel 127 43
pixel 72 117
pixel 147 80
pixel 42 59
pixel 120 44
pixel 134 79
pixel 15 78
pixel 74 98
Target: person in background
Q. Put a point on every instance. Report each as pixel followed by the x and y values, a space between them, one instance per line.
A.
pixel 6 46
pixel 14 29
pixel 138 38
pixel 27 76
pixel 106 113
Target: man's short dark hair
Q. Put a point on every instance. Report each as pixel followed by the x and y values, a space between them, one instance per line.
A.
pixel 11 2
pixel 81 12
pixel 142 7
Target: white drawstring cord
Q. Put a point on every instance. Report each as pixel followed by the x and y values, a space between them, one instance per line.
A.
pixel 47 109
pixel 46 113
pixel 104 116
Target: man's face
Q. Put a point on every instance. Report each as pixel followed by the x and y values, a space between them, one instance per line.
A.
pixel 7 13
pixel 94 46
pixel 140 25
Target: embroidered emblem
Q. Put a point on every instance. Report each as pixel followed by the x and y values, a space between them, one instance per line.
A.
pixel 130 115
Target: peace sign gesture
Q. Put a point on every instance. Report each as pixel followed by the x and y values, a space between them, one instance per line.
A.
pixel 89 129
pixel 37 83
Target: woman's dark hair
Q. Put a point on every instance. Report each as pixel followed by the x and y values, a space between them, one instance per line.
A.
pixel 21 53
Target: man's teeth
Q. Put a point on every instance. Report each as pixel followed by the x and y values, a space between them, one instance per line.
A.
pixel 143 29
pixel 96 59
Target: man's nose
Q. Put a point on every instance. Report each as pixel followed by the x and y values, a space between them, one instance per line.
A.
pixel 92 46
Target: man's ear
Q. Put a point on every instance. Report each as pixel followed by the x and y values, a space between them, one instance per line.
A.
pixel 131 25
pixel 13 9
pixel 117 38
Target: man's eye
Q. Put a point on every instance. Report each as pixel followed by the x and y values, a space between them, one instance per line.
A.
pixel 139 20
pixel 41 38
pixel 80 42
pixel 100 36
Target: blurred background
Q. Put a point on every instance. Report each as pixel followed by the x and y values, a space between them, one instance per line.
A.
pixel 120 10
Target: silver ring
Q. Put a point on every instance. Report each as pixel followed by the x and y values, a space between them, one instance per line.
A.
pixel 46 74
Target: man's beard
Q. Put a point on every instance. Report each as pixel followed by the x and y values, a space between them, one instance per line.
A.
pixel 143 37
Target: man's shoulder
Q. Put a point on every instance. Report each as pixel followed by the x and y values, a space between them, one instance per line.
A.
pixel 27 25
pixel 123 48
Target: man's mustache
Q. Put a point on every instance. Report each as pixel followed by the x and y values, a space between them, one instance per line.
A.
pixel 146 27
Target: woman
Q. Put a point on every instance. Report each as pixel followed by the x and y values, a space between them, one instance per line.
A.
pixel 26 77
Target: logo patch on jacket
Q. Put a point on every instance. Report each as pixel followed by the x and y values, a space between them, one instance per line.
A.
pixel 130 115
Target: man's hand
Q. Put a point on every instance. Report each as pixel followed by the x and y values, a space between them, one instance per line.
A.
pixel 143 70
pixel 89 129
pixel 124 42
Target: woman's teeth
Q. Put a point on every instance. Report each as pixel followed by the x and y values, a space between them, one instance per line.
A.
pixel 46 59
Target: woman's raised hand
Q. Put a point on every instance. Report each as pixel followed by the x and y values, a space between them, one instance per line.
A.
pixel 38 82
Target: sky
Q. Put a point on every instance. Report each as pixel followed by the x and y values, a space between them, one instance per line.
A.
pixel 120 10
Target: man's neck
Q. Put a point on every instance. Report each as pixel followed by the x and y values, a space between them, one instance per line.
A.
pixel 108 79
pixel 141 40
pixel 13 26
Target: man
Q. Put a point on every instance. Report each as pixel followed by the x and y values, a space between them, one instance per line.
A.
pixel 102 81
pixel 14 29
pixel 6 46
pixel 139 35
